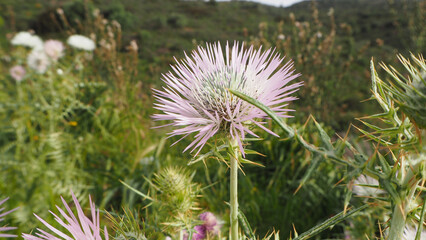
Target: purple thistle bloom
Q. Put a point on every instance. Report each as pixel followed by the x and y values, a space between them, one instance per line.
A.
pixel 3 229
pixel 199 233
pixel 79 228
pixel 197 100
pixel 210 222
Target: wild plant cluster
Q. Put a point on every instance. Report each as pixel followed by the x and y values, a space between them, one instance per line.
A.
pixel 77 132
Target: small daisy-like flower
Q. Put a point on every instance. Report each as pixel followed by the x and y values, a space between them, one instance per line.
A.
pixel 27 39
pixel 196 97
pixel 366 186
pixel 38 60
pixel 81 42
pixel 2 214
pixel 54 49
pixel 17 72
pixel 80 227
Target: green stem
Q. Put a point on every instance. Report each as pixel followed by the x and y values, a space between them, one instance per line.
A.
pixel 401 209
pixel 398 222
pixel 233 158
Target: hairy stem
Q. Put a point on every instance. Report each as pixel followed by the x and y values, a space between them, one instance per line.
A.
pixel 401 209
pixel 398 222
pixel 233 158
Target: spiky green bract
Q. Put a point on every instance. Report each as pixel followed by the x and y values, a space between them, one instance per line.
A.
pixel 396 131
pixel 128 226
pixel 175 198
pixel 409 93
pixel 399 160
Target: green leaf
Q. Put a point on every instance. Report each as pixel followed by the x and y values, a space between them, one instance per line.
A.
pixel 136 191
pixel 420 226
pixel 290 131
pixel 243 160
pixel 315 162
pixel 324 136
pixel 329 223
pixel 246 225
pixel 214 152
pixel 384 164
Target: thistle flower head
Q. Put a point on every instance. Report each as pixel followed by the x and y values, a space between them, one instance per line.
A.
pixel 28 40
pixel 211 223
pixel 210 227
pixel 81 42
pixel 196 97
pixel 366 186
pixel 80 227
pixel 38 60
pixel 17 72
pixel 177 193
pixel 54 49
pixel 2 214
pixel 411 231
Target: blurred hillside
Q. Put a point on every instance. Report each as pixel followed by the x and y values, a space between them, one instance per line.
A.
pixel 354 31
pixel 168 26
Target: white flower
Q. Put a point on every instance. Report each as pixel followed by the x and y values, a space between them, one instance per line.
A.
pixel 81 42
pixel 28 40
pixel 410 233
pixel 366 186
pixel 281 37
pixel 38 60
pixel 54 49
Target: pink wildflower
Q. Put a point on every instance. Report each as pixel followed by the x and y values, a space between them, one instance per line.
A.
pixel 17 72
pixel 198 234
pixel 196 97
pixel 3 229
pixel 54 49
pixel 80 227
pixel 210 222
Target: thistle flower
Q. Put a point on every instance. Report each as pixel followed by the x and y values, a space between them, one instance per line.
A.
pixel 38 60
pixel 210 222
pixel 197 100
pixel 54 49
pixel 177 193
pixel 81 42
pixel 83 228
pixel 199 233
pixel 411 231
pixel 210 226
pixel 3 229
pixel 28 40
pixel 17 72
pixel 366 186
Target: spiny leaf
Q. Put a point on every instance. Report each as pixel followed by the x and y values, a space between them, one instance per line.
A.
pixel 315 162
pixel 329 223
pixel 136 191
pixel 324 136
pixel 420 226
